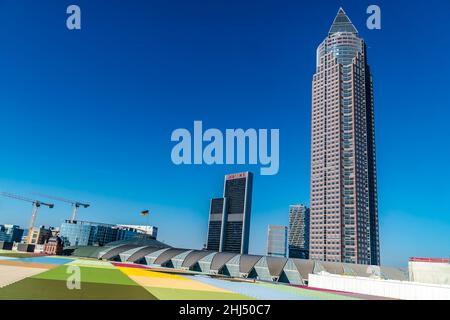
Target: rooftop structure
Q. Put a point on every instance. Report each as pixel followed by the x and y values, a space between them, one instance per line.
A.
pixel 93 233
pixel 264 268
pixel 10 233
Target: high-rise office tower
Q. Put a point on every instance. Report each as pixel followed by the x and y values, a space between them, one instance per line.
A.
pixel 238 194
pixel 229 217
pixel 344 209
pixel 277 241
pixel 217 214
pixel 298 231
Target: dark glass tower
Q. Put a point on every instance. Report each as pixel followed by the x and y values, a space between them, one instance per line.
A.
pixel 216 218
pixel 229 218
pixel 238 192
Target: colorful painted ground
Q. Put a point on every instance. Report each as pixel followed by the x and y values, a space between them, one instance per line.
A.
pixel 42 277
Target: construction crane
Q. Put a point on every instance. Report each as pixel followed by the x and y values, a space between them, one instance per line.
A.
pixel 75 204
pixel 36 205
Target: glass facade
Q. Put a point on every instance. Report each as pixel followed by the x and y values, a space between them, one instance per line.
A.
pixel 229 217
pixel 215 224
pixel 298 231
pixel 84 233
pixel 238 194
pixel 11 233
pixel 277 241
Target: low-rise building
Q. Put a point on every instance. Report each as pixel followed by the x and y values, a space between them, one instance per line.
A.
pixel 5 245
pixel 54 246
pixel 86 233
pixel 429 270
pixel 39 235
pixel 55 231
pixel 24 247
pixel 131 230
pixel 10 233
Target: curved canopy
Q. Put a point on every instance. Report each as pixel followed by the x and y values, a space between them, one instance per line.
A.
pixel 193 257
pixel 276 265
pixel 247 263
pixel 142 253
pixel 267 268
pixel 220 259
pixel 168 254
pixel 115 251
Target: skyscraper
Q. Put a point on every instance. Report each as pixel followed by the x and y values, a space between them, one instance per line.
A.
pixel 229 217
pixel 217 214
pixel 298 231
pixel 344 209
pixel 277 241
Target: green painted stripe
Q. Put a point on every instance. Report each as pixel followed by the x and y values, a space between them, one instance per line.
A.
pixel 88 275
pixel 182 294
pixel 42 289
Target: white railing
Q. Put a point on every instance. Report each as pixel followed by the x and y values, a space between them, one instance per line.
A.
pixel 395 289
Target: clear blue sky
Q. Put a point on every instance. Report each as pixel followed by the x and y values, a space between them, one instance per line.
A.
pixel 88 114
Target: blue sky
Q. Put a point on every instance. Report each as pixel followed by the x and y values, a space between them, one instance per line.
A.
pixel 88 114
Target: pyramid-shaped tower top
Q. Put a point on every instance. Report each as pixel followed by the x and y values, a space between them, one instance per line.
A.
pixel 342 24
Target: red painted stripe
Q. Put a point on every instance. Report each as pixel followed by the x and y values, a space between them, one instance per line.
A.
pixel 129 265
pixel 343 293
pixel 433 260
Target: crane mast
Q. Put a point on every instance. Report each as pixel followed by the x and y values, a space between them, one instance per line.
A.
pixel 36 204
pixel 75 204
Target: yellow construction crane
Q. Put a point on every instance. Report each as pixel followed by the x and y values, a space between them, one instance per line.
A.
pixel 75 204
pixel 36 205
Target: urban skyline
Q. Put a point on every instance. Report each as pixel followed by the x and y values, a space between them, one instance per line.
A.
pixel 100 144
